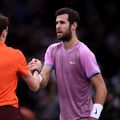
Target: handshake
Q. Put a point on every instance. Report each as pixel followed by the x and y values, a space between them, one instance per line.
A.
pixel 35 65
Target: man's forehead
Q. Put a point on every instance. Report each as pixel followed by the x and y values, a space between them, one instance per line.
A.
pixel 62 17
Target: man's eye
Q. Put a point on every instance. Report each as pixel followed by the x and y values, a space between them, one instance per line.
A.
pixel 62 22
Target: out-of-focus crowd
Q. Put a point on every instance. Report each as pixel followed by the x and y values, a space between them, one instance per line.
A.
pixel 32 29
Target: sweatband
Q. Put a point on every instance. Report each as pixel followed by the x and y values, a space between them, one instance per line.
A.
pixel 96 110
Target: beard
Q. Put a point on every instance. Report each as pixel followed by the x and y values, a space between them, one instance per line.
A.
pixel 66 37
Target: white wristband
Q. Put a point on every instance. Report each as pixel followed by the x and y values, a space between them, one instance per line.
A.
pixel 40 78
pixel 96 110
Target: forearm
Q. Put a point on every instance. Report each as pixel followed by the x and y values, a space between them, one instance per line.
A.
pixel 100 97
pixel 37 81
pixel 101 94
pixel 45 75
pixel 33 81
pixel 43 82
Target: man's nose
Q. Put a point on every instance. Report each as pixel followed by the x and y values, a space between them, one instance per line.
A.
pixel 58 25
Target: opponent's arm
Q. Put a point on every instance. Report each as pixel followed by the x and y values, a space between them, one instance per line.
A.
pixel 33 81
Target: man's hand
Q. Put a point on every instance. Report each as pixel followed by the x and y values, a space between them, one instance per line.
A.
pixel 35 64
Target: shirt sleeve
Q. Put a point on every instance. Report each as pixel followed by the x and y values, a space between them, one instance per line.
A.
pixel 49 57
pixel 22 64
pixel 89 64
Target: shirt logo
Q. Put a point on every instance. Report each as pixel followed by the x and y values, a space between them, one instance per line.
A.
pixel 72 63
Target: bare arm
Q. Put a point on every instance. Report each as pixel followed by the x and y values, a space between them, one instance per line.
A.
pixel 45 73
pixel 101 90
pixel 33 81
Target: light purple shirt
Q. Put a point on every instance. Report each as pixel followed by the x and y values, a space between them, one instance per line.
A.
pixel 73 68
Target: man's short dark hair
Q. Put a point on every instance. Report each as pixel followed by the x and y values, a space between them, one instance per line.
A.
pixel 73 16
pixel 3 23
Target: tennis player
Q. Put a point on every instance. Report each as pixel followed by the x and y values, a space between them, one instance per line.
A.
pixel 76 71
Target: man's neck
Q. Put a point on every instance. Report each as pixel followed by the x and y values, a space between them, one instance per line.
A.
pixel 2 39
pixel 70 44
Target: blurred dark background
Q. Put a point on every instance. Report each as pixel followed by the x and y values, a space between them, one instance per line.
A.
pixel 32 30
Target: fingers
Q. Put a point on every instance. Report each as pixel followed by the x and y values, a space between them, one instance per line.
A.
pixel 35 64
pixel 34 61
pixel 31 68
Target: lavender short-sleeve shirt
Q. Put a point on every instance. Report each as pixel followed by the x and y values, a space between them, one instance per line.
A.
pixel 73 68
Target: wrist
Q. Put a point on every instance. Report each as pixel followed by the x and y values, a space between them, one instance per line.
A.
pixel 96 110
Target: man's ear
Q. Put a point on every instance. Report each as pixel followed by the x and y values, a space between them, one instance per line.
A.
pixel 4 33
pixel 74 26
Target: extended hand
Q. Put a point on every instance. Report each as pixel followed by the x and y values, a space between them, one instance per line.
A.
pixel 35 64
